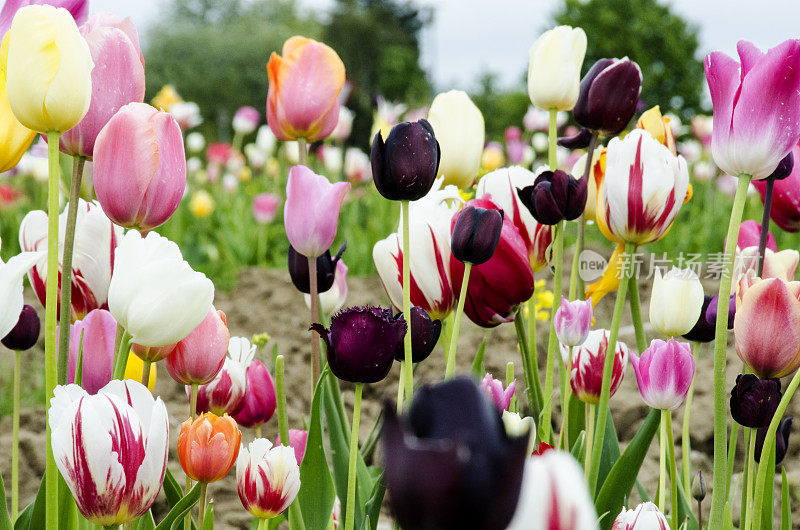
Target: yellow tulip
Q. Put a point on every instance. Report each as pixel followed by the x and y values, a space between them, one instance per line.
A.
pixel 133 371
pixel 49 79
pixel 14 137
pixel 201 204
pixel 166 97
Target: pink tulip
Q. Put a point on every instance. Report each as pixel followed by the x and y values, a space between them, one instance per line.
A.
pixel 297 441
pixel 311 212
pixel 152 353
pixel 572 321
pixel 750 234
pixel 140 167
pixel 199 357
pixel 588 359
pixel 493 388
pixel 265 207
pixel 117 78
pixel 79 9
pixel 767 325
pixel 756 107
pixel 664 373
pixel 260 399
pixel 99 330
pixel 785 211
pixel 219 153
pixel 246 120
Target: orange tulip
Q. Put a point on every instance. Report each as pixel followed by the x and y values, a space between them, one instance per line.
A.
pixel 208 446
pixel 304 87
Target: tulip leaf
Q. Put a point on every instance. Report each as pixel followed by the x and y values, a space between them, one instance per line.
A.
pixel 67 510
pixel 477 365
pixel 208 518
pixel 180 509
pixel 622 476
pixel 5 518
pixel 578 451
pixel 577 418
pixel 317 495
pixel 610 453
pixel 146 522
pixel 273 523
pixel 33 516
pixel 373 507
pixel 173 492
pixel 786 505
pixel 727 521
pixel 767 512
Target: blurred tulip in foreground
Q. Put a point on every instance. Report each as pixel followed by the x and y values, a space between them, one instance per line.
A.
pixel 572 321
pixel 664 373
pixel 646 516
pixel 404 166
pixel 459 128
pixel 198 357
pixel 208 446
pixel 25 333
pixel 259 402
pixel 554 70
pixel 588 359
pixel 609 93
pixel 676 301
pixel 268 478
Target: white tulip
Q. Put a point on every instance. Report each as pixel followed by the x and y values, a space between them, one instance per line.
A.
pixel 458 126
pixel 554 72
pixel 195 142
pixel 646 516
pixel 676 301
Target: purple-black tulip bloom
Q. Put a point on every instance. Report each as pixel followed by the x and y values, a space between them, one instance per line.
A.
pixel 784 169
pixel 361 343
pixel 554 195
pixel 703 330
pixel 424 335
pixel 754 400
pixel 476 234
pixel 711 311
pixel 405 165
pixel 326 269
pixel 609 94
pixel 781 440
pixel 580 140
pixel 25 333
pixel 449 463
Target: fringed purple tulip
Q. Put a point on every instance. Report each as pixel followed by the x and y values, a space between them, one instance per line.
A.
pixel 493 388
pixel 572 321
pixel 98 331
pixel 225 393
pixel 754 401
pixel 664 373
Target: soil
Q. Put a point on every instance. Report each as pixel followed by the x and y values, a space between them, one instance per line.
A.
pixel 265 301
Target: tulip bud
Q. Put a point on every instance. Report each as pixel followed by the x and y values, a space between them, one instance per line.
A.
pixel 260 399
pixel 554 195
pixel 198 358
pixel 246 120
pixel 784 169
pixel 676 301
pixel 698 490
pixel 208 446
pixel 265 207
pixel 333 299
pixel 361 343
pixel 25 333
pixel 609 93
pixel 326 269
pixel 459 128
pixel 572 321
pixel 424 335
pixel 297 441
pixel 754 401
pixel 588 360
pixel 225 393
pixel 404 167
pixel 476 234
pixel 664 373
pixel 96 334
pixel 555 68
pixel 781 440
pixel 493 388
pixel 646 516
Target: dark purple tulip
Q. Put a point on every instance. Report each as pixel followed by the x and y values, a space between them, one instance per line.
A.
pixel 404 167
pixel 784 169
pixel 608 96
pixel 25 333
pixel 754 401
pixel 361 343
pixel 703 330
pixel 449 463
pixel 260 398
pixel 580 140
pixel 781 440
pixel 711 311
pixel 554 195
pixel 326 269
pixel 476 234
pixel 424 335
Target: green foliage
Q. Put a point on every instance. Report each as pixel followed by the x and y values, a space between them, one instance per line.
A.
pixel 500 109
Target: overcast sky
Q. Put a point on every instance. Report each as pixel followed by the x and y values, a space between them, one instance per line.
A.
pixel 468 38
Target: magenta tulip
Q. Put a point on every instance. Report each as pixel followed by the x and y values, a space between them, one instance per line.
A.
pixel 99 330
pixel 297 441
pixel 572 321
pixel 664 373
pixel 750 232
pixel 493 388
pixel 199 357
pixel 311 212
pixel 265 207
pixel 260 398
pixel 79 9
pixel 140 167
pixel 785 211
pixel 756 107
pixel 117 78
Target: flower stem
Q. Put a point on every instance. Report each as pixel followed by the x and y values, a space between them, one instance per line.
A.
pixel 280 391
pixel 146 373
pixel 720 357
pixel 566 390
pixel 552 340
pixel 587 457
pixel 66 266
pixel 263 524
pixel 187 520
pixel 552 136
pixel 15 441
pixel 401 387
pixel 349 520
pixel 451 351
pixel 636 313
pixel 686 442
pixel 662 464
pixel 302 150
pixel 747 495
pixel 575 281
pixel 762 240
pixel 673 471
pixel 121 358
pixel 732 444
pixel 608 368
pixel 50 338
pixel 312 280
pixel 202 514
pixel 408 374
pixel 533 384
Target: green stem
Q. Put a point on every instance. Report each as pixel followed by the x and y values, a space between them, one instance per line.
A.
pixel 566 389
pixel 236 143
pixel 720 357
pixel 732 444
pixel 50 338
pixel 451 351
pixel 636 313
pixel 673 469
pixel 314 288
pixel 510 376
pixel 552 136
pixel 202 515
pixel 408 374
pixel 66 267
pixel 747 496
pixel 587 457
pixel 608 367
pixel 552 340
pixel 349 520
pixel 662 464
pixel 575 281
pixel 686 442
pixel 146 373
pixel 121 359
pixel 530 361
pixel 187 520
pixel 302 149
pixel 401 387
pixel 111 527
pixel 280 391
pixel 15 440
pixel 263 524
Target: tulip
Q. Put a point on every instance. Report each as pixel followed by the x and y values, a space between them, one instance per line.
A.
pixel 201 204
pixel 516 426
pixel 246 119
pixel 404 167
pixel 554 495
pixel 756 116
pixel 48 77
pixel 501 186
pixel 25 333
pixel 11 274
pixel 664 373
pixel 750 234
pixel 260 399
pixel 501 397
pixel 361 343
pixel 357 165
pixel 111 449
pixel 775 264
pixel 304 87
pixel 424 335
pixel 458 126
pixel 659 127
pixel 198 357
pixel 79 9
pixel 492 157
pixel 225 393
pixel 643 188
pixel 676 301
pixel 186 114
pixel 703 330
pixel 476 233
pixel 572 321
pixel 609 93
pixel 326 270
pixel 154 294
pixel 785 211
pixel 429 235
pixel 311 212
pixel 151 354
pixel 265 207
pixel 297 441
pixel 208 447
pixel 554 70
pixel 140 167
pixel 781 440
pixel 443 422
pixel 554 195
pixel 134 371
pixel 754 401
pixel 698 489
pixel 117 79
pixel 96 334
pixel 767 325
pixel 268 478
pixel 195 142
pixel 16 137
pixel 333 299
pixel 588 359
pixel 646 516
pixel 96 239
pixel 344 126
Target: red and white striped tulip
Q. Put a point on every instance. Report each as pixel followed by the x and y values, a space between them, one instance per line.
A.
pixel 268 478
pixel 664 373
pixel 588 359
pixel 225 393
pixel 646 516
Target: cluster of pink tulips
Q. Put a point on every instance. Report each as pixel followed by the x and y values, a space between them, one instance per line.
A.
pixel 472 450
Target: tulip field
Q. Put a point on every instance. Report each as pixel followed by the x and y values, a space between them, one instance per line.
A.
pixel 589 323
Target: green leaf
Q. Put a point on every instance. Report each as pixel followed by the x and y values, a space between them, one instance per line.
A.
pixel 610 453
pixel 578 451
pixel 173 492
pixel 67 510
pixel 577 418
pixel 273 523
pixel 180 509
pixel 208 518
pixel 33 516
pixel 727 521
pixel 373 507
pixel 478 369
pixel 786 505
pixel 146 522
pixel 5 518
pixel 767 512
pixel 622 476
